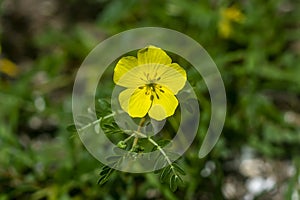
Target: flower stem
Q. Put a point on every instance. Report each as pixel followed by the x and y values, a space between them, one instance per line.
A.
pixel 141 124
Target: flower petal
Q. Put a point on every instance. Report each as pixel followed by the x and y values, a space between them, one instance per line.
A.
pixel 126 74
pixel 152 54
pixel 164 104
pixel 135 102
pixel 124 98
pixel 172 76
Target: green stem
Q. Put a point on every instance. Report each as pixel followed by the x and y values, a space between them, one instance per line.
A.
pixel 127 139
pixel 137 134
pixel 141 124
pixel 96 122
pixel 161 151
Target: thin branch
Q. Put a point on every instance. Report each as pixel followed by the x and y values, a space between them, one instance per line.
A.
pixel 161 151
pixel 127 139
pixel 97 121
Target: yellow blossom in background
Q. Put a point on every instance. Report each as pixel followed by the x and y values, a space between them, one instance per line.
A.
pixel 151 81
pixel 228 16
pixel 225 28
pixel 233 13
pixel 9 68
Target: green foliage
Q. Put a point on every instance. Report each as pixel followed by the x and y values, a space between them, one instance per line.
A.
pixel 171 173
pixel 105 174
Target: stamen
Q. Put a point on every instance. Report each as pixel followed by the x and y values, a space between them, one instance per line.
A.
pixel 157 96
pixel 158 78
pixel 147 92
pixel 161 90
pixel 151 97
pixel 141 87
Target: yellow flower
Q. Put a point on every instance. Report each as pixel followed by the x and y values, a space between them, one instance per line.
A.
pixel 151 81
pixel 8 67
pixel 225 28
pixel 233 13
pixel 229 15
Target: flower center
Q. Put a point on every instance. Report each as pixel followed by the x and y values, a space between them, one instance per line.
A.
pixel 152 89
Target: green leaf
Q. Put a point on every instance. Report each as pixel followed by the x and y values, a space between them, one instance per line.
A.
pixel 173 183
pixel 178 169
pixel 110 127
pixel 165 174
pixel 104 170
pixel 102 180
pixel 105 174
pixel 179 180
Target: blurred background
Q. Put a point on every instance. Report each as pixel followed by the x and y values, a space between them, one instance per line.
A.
pixel 256 46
